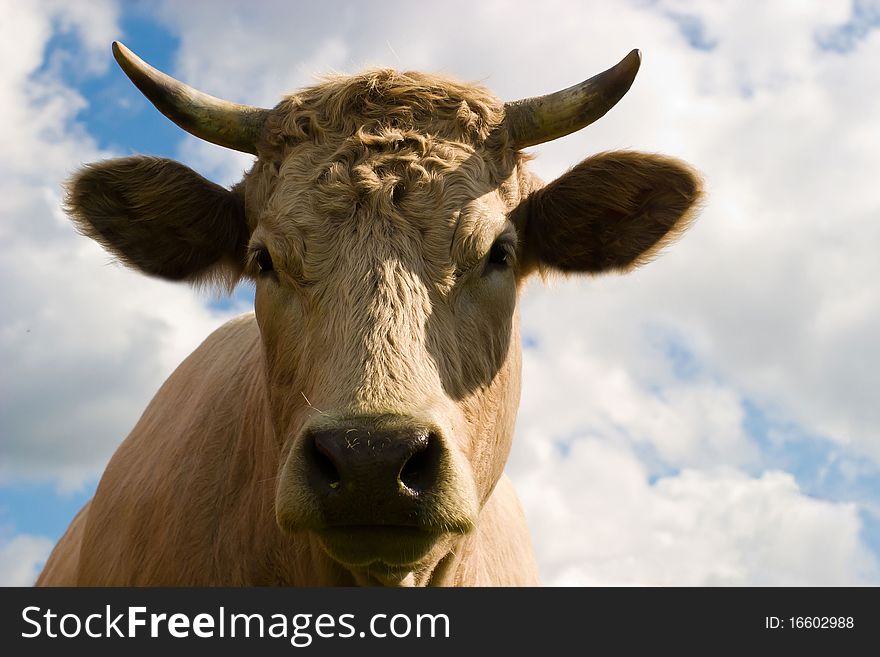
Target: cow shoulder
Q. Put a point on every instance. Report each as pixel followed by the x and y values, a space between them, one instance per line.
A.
pixel 62 566
pixel 185 474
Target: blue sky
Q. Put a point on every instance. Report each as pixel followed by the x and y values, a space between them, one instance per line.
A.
pixel 729 381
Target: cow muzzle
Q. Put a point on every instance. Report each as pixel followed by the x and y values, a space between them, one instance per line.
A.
pixel 376 490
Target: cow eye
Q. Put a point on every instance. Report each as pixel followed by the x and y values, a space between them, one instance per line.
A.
pixel 498 254
pixel 264 261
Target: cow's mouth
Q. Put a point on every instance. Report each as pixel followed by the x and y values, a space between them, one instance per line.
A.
pixel 361 546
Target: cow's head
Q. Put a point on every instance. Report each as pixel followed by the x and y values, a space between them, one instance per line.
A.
pixel 388 224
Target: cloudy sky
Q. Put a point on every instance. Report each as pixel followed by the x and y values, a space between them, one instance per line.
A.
pixel 711 419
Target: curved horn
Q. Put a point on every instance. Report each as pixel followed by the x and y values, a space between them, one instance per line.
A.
pixel 209 118
pixel 543 118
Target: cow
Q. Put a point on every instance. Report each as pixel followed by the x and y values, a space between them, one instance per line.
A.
pixel 354 428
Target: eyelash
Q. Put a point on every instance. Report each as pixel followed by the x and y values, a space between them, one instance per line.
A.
pixel 261 260
pixel 501 255
pixel 498 254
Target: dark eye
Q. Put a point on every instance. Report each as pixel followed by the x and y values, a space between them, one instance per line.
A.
pixel 498 254
pixel 264 261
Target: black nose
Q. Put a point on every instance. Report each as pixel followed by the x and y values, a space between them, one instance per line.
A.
pixel 362 474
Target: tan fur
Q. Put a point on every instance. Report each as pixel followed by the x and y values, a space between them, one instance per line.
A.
pixel 63 564
pixel 378 198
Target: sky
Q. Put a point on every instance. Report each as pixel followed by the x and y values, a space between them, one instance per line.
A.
pixel 709 419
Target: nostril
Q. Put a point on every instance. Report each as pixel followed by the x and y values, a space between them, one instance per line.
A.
pixel 420 471
pixel 323 466
pixel 345 463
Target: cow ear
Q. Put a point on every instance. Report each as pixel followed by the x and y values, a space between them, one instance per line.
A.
pixel 161 218
pixel 612 212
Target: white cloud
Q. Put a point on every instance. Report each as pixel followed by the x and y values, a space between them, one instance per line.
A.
pixel 770 291
pixel 698 528
pixel 602 378
pixel 84 344
pixel 87 347
pixel 21 558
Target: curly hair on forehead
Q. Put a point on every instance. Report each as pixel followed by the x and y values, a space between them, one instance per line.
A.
pixel 382 99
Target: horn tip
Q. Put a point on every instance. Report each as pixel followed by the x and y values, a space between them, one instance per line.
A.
pixel 633 60
pixel 122 54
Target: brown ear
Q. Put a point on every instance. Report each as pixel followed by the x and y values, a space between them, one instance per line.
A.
pixel 613 211
pixel 161 217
